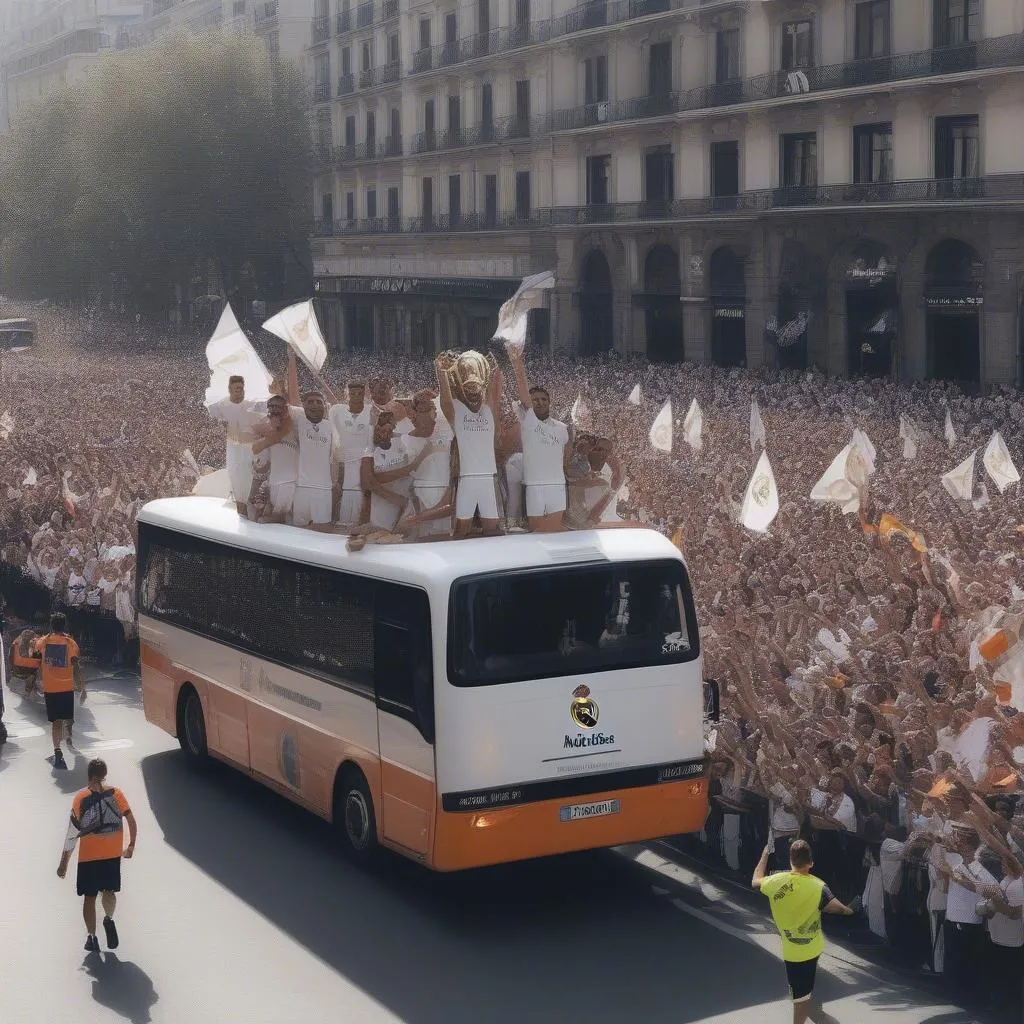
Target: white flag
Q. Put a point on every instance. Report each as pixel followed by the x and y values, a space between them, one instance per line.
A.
pixel 213 485
pixel 30 478
pixel 297 326
pixel 580 414
pixel 863 444
pixel 757 435
pixel 999 464
pixel 514 314
pixel 910 435
pixel 761 500
pixel 693 424
pixel 960 481
pixel 634 395
pixel 661 429
pixel 836 484
pixel 6 426
pixel 229 353
pixel 950 432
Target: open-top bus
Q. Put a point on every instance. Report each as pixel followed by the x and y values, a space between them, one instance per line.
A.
pixel 462 702
pixel 17 333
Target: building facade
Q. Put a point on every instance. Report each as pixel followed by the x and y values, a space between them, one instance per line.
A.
pixel 837 183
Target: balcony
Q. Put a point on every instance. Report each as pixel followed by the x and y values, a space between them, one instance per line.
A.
pixel 379 149
pixel 322 92
pixel 502 129
pixel 364 15
pixel 265 14
pixel 321 30
pixel 346 85
pixel 999 52
pixel 389 10
pixel 344 22
pixel 994 190
pixel 386 74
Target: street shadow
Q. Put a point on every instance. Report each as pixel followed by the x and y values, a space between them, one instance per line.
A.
pixel 582 936
pixel 121 986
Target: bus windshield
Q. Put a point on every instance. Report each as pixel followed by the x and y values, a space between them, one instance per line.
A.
pixel 544 623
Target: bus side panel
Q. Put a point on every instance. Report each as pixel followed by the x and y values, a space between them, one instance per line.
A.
pixel 409 794
pixel 159 688
pixel 476 838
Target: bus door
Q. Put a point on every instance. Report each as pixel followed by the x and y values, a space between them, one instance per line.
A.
pixel 403 677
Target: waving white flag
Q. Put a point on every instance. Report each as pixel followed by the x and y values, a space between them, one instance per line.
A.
pixel 661 429
pixel 950 432
pixel 6 426
pixel 297 325
pixel 214 485
pixel 863 444
pixel 999 464
pixel 693 424
pixel 229 353
pixel 761 499
pixel 841 482
pixel 910 435
pixel 634 395
pixel 757 434
pixel 580 414
pixel 30 478
pixel 959 482
pixel 514 313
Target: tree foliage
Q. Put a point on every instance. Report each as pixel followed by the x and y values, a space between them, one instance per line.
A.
pixel 196 148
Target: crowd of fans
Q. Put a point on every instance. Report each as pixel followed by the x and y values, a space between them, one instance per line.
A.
pixel 854 705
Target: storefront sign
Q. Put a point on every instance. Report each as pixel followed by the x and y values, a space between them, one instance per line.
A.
pixel 954 301
pixel 729 312
pixel 497 289
pixel 862 271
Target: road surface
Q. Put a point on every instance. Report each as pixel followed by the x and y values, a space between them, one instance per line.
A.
pixel 238 908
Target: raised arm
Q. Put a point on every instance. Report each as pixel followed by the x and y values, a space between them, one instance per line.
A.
pixel 519 368
pixel 293 379
pixel 761 871
pixel 494 394
pixel 444 388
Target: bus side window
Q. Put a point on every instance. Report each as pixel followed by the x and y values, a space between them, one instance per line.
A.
pixel 403 666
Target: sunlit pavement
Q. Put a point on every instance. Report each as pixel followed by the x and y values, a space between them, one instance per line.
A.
pixel 237 907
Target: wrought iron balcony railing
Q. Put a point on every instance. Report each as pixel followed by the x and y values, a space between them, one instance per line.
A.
pixel 343 23
pixel 389 9
pixel 346 85
pixel 265 14
pixel 321 30
pixel 364 15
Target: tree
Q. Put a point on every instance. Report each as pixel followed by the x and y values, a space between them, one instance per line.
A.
pixel 195 149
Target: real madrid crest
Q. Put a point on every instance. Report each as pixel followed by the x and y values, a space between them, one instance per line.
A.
pixel 583 708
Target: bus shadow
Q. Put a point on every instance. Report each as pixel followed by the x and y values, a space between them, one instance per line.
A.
pixel 569 938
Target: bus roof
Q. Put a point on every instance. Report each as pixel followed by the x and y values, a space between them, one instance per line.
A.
pixel 425 563
pixel 16 323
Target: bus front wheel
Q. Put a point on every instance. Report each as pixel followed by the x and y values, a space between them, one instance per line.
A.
pixel 354 817
pixel 192 725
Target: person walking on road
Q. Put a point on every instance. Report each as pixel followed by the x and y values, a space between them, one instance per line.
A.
pixel 61 676
pixel 797 901
pixel 97 822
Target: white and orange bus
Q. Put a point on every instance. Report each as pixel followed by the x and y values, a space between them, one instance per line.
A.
pixel 462 702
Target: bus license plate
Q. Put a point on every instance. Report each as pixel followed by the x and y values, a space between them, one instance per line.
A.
pixel 577 812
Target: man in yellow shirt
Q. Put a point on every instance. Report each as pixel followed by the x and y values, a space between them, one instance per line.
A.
pixel 797 901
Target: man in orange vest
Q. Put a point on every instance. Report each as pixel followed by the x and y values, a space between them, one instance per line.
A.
pixel 24 661
pixel 61 677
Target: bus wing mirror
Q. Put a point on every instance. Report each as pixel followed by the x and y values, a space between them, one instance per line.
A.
pixel 712 700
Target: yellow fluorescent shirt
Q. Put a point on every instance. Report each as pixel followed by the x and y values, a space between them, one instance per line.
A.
pixel 796 902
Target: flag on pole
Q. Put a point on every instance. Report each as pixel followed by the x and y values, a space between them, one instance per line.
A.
pixel 950 432
pixel 580 413
pixel 661 430
pixel 693 425
pixel 959 482
pixel 634 395
pixel 229 353
pixel 757 434
pixel 999 464
pixel 761 499
pixel 514 313
pixel 863 444
pixel 841 482
pixel 297 325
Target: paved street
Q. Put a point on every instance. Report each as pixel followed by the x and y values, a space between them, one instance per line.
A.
pixel 238 908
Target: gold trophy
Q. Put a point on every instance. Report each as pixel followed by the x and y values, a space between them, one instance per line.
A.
pixel 469 374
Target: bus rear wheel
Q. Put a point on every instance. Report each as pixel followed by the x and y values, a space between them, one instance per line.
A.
pixel 192 725
pixel 354 818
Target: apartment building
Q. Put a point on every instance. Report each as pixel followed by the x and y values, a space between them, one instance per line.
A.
pixel 837 183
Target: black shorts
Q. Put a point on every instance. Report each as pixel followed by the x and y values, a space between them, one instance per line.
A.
pixel 96 876
pixel 801 979
pixel 60 707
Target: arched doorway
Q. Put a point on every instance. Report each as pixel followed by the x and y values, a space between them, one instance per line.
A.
pixel 664 315
pixel 953 297
pixel 728 308
pixel 596 328
pixel 872 304
pixel 799 284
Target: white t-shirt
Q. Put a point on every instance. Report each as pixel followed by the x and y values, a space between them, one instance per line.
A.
pixel 283 458
pixel 1003 930
pixel 239 418
pixel 544 444
pixel 355 438
pixel 890 857
pixel 961 902
pixel 845 813
pixel 434 470
pixel 383 513
pixel 474 432
pixel 317 447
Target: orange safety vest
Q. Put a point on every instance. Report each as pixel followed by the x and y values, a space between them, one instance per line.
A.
pixel 24 664
pixel 58 653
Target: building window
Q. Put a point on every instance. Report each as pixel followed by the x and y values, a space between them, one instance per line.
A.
pixel 322 72
pixel 451 27
pixel 659 184
pixel 598 179
pixel 522 195
pixel 522 106
pixel 350 130
pixel 727 55
pixel 490 200
pixel 371 204
pixel 957 21
pixel 396 129
pixel 659 69
pixel 327 209
pixel 595 79
pixel 238 9
pixel 872 154
pixel 274 44
pixel 487 108
pixel 797 45
pixel 324 135
pixel 346 60
pixel 424 33
pixel 394 207
pixel 394 51
pixel 799 160
pixel 872 29
pixel 957 147
pixel 371 132
pixel 483 17
pixel 725 169
pixel 454 118
pixel 454 199
pixel 427 201
pixel 350 207
pixel 367 56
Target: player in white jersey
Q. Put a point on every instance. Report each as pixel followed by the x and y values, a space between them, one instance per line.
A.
pixel 382 397
pixel 387 475
pixel 280 450
pixel 353 424
pixel 239 416
pixel 545 453
pixel 473 423
pixel 602 497
pixel 430 507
